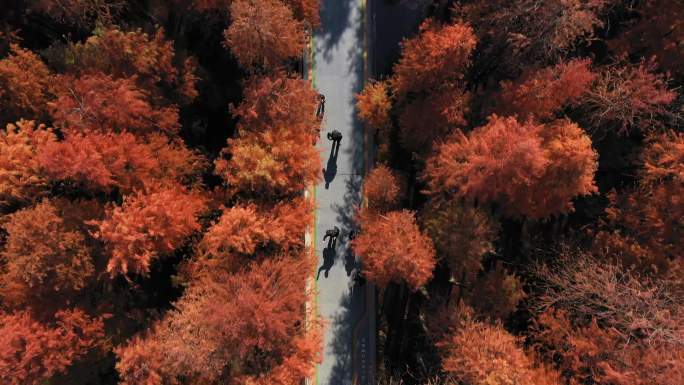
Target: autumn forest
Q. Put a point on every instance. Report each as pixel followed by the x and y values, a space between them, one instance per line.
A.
pixel 522 222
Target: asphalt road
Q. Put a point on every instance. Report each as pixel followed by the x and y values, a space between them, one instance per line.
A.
pixel 338 73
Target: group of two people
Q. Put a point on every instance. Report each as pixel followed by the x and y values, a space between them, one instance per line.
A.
pixel 334 135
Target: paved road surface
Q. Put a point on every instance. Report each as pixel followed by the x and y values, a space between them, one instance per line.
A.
pixel 349 342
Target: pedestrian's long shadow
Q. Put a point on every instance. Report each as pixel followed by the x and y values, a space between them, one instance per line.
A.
pixel 343 323
pixel 329 254
pixel 330 169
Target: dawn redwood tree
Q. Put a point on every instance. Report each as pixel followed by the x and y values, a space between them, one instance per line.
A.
pixel 462 234
pixel 21 181
pixel 150 58
pixel 625 98
pixel 101 103
pixel 42 259
pixel 658 32
pixel 374 105
pixel 529 169
pixel 25 86
pixel 83 13
pixel 437 57
pixel 99 161
pixel 277 103
pixel 247 327
pixel 394 249
pixel 525 30
pixel 478 353
pixel 542 93
pixel 447 109
pixel 639 307
pixel 590 353
pixel 263 33
pixel 148 225
pixel 269 164
pixel 306 10
pixel 32 352
pixel 382 189
pixel 496 293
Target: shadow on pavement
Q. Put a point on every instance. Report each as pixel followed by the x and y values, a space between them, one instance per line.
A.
pixel 343 324
pixel 329 254
pixel 330 169
pixel 335 18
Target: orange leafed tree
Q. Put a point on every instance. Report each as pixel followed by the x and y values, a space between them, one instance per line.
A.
pixel 277 103
pixel 99 161
pixel 307 10
pixel 446 109
pixel 659 31
pixel 263 33
pixel 80 12
pixel 437 57
pixel 42 259
pixel 150 58
pixel 590 353
pixel 478 353
pixel 101 103
pixel 394 249
pixel 628 97
pixel 382 189
pixel 149 224
pixel 243 231
pixel 20 177
pixel 270 164
pixel 462 234
pixel 25 86
pixel 529 169
pixel 247 327
pixel 543 92
pixel 374 104
pixel 32 352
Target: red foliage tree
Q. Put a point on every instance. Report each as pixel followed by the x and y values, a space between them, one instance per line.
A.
pixel 462 235
pixel 99 161
pixel 101 103
pixel 530 169
pixel 628 97
pixel 477 353
pixel 529 30
pixel 20 177
pixel 31 352
pixel 126 54
pixel 307 10
pixel 277 103
pixel 25 85
pixel 658 31
pixel 273 156
pixel 374 104
pixel 270 165
pixel 263 33
pixel 437 57
pixel 148 225
pixel 543 92
pixel 244 230
pixel 382 189
pixel 394 249
pixel 80 12
pixel 496 294
pixel 42 259
pixel 247 327
pixel 447 109
pixel 602 355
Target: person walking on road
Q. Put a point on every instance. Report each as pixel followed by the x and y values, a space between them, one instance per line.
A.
pixel 321 106
pixel 335 136
pixel 332 233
